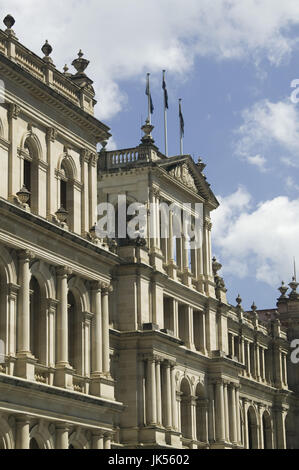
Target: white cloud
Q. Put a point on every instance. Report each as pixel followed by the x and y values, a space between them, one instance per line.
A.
pixel 257 241
pixel 124 39
pixel 258 161
pixel 270 129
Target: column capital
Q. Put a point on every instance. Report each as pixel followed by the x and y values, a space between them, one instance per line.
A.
pixel 13 111
pixel 26 255
pixel 63 271
pixel 106 288
pixel 51 134
pixel 51 304
pixel 96 285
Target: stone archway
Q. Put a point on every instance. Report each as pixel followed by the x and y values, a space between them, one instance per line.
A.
pixel 252 428
pixel 186 419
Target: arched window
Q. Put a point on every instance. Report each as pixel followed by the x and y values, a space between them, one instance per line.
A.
pixel 33 444
pixel 267 431
pixel 186 422
pixel 30 173
pixel 67 192
pixel 252 429
pixel 71 329
pixel 35 318
pixel 201 415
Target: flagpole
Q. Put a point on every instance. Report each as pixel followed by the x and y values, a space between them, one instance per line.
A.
pixel 181 134
pixel 149 99
pixel 165 120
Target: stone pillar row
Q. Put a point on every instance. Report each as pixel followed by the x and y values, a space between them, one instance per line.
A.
pixel 100 344
pixel 100 439
pixel 227 412
pixel 161 401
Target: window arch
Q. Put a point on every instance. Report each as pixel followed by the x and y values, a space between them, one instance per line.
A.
pixel 66 190
pixel 252 429
pixel 186 421
pixel 267 431
pixel 30 172
pixel 35 318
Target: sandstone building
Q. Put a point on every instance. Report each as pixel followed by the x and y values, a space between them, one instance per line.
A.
pixel 119 344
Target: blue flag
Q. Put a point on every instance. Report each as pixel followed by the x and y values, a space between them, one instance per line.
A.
pixel 165 93
pixel 148 93
pixel 182 123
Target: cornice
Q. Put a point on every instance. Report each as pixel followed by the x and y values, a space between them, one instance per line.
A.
pixel 52 97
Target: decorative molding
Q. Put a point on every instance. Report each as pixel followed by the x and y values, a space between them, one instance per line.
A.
pixel 182 174
pixel 51 134
pixel 14 111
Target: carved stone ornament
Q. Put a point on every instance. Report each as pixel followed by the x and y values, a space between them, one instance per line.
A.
pixel 51 134
pixel 14 111
pixel 182 174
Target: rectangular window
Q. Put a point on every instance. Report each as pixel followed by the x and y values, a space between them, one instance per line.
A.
pixel 63 195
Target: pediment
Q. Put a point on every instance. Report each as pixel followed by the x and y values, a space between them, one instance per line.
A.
pixel 183 174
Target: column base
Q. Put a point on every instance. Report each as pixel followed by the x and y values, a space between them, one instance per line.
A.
pixel 172 270
pixel 25 366
pixel 187 277
pixel 64 376
pixel 156 259
pixel 102 386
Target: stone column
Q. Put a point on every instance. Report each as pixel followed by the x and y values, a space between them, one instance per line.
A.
pixel 51 206
pixel 15 179
pixel 233 412
pixel 249 358
pixel 257 361
pixel 151 401
pixel 106 290
pixel 168 395
pixel 220 415
pixel 226 406
pixel 159 391
pixel 98 440
pixel 51 316
pixel 22 433
pixel 24 303
pixel 237 391
pixel 260 427
pixel 246 436
pixel 63 375
pixel 107 441
pixel 62 436
pixel 62 316
pixel 10 350
pixel 174 399
pixel 212 433
pixel 281 428
pixel 202 326
pixel 97 360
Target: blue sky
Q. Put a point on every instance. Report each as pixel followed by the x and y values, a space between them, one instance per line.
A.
pixel 232 63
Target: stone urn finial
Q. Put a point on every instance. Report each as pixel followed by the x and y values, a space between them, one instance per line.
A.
pixel 47 48
pixel 283 289
pixel 80 64
pixel 9 21
pixel 239 301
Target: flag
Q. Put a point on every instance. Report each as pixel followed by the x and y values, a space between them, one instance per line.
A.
pixel 148 93
pixel 165 91
pixel 182 124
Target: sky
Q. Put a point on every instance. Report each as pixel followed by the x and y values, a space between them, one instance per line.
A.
pixel 233 63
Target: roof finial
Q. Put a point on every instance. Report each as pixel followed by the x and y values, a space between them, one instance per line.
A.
pixel 295 270
pixel 9 21
pixel 47 49
pixel 80 64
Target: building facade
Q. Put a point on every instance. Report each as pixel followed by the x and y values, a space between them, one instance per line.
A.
pixel 119 343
